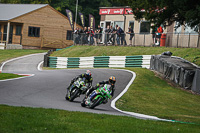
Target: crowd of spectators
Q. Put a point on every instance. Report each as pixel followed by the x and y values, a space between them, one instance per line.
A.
pixel 112 35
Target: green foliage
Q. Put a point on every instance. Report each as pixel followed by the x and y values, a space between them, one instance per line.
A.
pixel 167 11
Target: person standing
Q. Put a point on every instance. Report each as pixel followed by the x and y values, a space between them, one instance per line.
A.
pixel 117 34
pixel 91 35
pixel 85 36
pixel 131 32
pixel 99 34
pixel 107 33
pixel 158 35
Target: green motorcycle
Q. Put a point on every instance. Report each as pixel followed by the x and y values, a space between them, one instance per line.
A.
pixel 97 97
pixel 76 89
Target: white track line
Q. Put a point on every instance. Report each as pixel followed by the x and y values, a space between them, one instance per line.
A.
pixel 30 75
pixel 137 115
pixel 39 66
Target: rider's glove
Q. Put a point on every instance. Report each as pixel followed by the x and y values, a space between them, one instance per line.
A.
pixel 98 84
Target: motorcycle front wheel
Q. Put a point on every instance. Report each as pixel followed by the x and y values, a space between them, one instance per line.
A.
pixel 73 94
pixel 96 102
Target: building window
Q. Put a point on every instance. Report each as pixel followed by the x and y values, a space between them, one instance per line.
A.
pixel 69 35
pixel 18 29
pixel 120 24
pixel 34 31
pixel 144 27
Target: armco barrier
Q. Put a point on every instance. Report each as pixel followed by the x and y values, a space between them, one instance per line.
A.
pixel 100 61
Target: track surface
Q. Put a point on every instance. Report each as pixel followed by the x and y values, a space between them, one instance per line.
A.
pixel 47 88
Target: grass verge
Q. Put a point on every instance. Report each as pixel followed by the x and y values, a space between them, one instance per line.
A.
pixel 9 76
pixel 151 95
pixel 20 119
pixel 13 53
pixel 190 54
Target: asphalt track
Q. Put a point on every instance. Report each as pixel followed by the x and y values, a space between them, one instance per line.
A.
pixel 47 88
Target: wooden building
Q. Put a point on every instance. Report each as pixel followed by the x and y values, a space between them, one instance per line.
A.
pixel 34 26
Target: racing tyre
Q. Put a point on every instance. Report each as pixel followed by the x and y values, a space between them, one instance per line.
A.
pixel 74 94
pixel 96 103
pixel 83 103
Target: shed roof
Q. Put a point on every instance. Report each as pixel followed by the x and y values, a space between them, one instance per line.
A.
pixel 10 11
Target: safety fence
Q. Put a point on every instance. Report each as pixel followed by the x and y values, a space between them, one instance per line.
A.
pixel 179 40
pixel 100 61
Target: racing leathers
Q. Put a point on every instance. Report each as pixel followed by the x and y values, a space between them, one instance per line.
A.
pixel 87 79
pixel 101 84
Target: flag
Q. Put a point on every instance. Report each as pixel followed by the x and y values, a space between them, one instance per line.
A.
pixel 70 17
pixel 91 22
pixel 82 19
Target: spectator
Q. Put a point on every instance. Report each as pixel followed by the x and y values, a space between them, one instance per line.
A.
pixel 85 36
pixel 112 36
pixel 158 35
pixel 121 35
pixel 118 37
pixel 131 32
pixel 76 36
pixel 99 34
pixel 91 35
pixel 153 34
pixel 107 33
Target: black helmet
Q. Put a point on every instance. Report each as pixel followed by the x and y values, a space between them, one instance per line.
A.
pixel 88 74
pixel 112 80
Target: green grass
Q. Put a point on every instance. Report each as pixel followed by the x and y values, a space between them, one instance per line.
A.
pixel 8 76
pixel 153 96
pixel 13 53
pixel 190 54
pixel 21 119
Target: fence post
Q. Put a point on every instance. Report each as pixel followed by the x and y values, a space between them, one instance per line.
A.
pixel 177 40
pixel 144 40
pixel 189 41
pixel 198 40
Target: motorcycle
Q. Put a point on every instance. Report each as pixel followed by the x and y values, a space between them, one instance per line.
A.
pixel 97 97
pixel 76 89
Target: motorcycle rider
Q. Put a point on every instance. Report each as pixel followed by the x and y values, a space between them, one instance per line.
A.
pixel 87 76
pixel 111 82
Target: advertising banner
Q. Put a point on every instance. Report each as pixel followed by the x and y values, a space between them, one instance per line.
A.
pixel 91 22
pixel 82 19
pixel 70 17
pixel 112 11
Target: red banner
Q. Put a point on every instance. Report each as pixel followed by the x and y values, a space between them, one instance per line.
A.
pixel 111 11
pixel 116 11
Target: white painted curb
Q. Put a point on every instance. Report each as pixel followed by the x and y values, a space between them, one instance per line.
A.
pixel 137 115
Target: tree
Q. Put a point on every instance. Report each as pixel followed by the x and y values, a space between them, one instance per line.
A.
pixel 167 11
